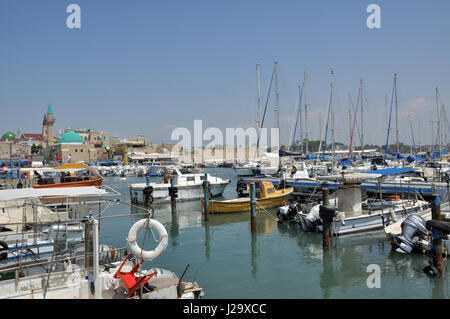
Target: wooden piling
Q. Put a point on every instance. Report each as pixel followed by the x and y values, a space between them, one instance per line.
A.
pixel 253 206
pixel 326 221
pixel 148 195
pixel 436 239
pixel 206 198
pixel 436 209
pixel 173 195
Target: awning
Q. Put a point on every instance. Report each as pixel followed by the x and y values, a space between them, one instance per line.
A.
pixel 33 193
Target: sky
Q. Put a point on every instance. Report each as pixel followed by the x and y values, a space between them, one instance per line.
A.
pixel 148 67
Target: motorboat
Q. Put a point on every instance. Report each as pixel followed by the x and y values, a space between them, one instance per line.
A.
pixel 69 175
pixel 266 197
pixel 351 214
pixel 189 187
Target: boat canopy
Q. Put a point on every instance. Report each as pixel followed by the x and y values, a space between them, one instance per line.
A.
pixel 33 193
pixel 392 171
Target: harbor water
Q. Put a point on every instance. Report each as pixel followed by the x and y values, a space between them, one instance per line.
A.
pixel 277 261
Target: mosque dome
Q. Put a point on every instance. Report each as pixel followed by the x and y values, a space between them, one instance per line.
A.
pixel 70 137
pixel 9 136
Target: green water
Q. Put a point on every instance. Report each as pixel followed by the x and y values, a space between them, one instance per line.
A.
pixel 278 261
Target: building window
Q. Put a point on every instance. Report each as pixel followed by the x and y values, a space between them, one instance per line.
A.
pixel 76 150
pixel 81 150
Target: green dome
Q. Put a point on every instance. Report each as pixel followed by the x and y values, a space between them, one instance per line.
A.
pixel 70 137
pixel 9 136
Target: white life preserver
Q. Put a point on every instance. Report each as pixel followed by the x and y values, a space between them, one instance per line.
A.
pixel 147 254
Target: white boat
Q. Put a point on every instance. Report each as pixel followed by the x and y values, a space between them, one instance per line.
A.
pixel 88 278
pixel 35 263
pixel 352 215
pixel 189 186
pixel 35 221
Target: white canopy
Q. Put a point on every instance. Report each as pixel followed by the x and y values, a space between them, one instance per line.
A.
pixel 34 193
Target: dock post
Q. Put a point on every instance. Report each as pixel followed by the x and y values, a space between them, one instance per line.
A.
pixel 436 208
pixel 326 214
pixel 325 193
pixel 206 197
pixel 253 206
pixel 173 195
pixel 148 196
pixel 436 240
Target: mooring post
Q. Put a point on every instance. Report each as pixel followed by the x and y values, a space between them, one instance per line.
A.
pixel 436 238
pixel 326 218
pixel 436 208
pixel 173 195
pixel 325 193
pixel 148 196
pixel 253 206
pixel 206 194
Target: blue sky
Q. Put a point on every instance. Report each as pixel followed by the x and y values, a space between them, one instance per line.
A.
pixel 147 67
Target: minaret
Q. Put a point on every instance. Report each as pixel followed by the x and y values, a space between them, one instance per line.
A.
pixel 50 121
pixel 44 128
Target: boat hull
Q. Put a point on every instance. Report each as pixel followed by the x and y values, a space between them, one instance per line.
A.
pixel 243 204
pixel 90 182
pixel 185 193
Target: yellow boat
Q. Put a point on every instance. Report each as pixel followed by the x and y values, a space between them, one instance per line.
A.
pixel 266 197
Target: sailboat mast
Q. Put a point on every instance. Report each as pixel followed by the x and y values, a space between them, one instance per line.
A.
pixel 300 116
pixel 332 118
pixel 362 127
pixel 396 112
pixel 277 109
pixel 306 114
pixel 259 103
pixel 438 123
pixel 350 121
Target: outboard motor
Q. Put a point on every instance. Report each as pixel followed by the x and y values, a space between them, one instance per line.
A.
pixel 287 213
pixel 413 230
pixel 312 221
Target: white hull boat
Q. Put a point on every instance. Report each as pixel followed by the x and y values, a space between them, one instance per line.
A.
pixel 189 186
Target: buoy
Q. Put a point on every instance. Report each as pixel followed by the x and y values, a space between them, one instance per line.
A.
pixel 147 254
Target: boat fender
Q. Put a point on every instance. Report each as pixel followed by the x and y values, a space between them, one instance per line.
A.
pixel 147 254
pixel 3 250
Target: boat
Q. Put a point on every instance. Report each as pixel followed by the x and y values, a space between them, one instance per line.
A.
pixel 91 270
pixel 350 214
pixel 266 196
pixel 189 186
pixel 69 175
pixel 410 235
pixel 37 223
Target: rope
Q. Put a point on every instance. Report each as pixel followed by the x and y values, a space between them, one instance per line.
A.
pixel 264 210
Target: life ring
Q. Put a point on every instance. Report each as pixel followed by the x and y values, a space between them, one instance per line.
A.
pixel 147 254
pixel 3 250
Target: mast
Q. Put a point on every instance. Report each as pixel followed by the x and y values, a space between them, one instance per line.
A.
pixel 277 109
pixel 259 105
pixel 332 118
pixel 396 112
pixel 306 114
pixel 438 123
pixel 362 127
pixel 350 121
